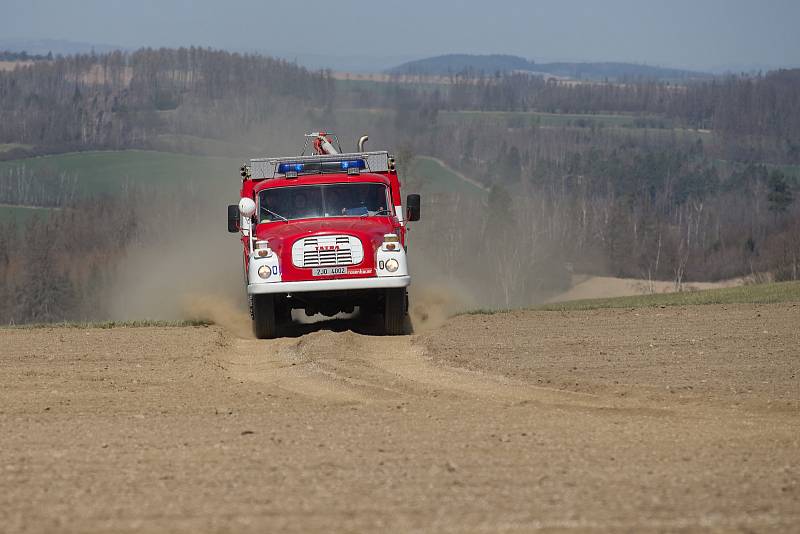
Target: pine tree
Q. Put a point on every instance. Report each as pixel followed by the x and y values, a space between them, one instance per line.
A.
pixel 780 195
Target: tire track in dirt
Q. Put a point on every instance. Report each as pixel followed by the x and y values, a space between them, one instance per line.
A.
pixel 280 363
pixel 353 368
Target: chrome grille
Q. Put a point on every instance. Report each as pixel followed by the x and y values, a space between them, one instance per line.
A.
pixel 327 251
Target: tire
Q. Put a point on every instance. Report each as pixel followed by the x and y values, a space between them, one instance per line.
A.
pixel 264 324
pixel 394 315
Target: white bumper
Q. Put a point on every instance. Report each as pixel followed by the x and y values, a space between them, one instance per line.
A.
pixel 329 285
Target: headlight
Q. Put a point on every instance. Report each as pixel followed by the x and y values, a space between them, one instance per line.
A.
pixel 391 242
pixel 264 271
pixel 262 249
pixel 392 265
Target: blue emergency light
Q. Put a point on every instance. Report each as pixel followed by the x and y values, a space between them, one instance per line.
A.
pixel 352 164
pixel 283 168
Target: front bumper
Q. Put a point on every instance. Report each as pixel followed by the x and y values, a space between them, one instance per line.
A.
pixel 329 285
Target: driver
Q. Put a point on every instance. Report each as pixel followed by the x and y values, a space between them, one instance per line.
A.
pixel 300 205
pixel 333 203
pixel 363 202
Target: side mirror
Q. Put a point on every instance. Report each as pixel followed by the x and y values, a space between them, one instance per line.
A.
pixel 412 207
pixel 233 218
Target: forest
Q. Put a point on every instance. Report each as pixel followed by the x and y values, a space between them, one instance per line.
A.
pixel 653 180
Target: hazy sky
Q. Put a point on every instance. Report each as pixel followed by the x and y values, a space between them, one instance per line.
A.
pixel 690 33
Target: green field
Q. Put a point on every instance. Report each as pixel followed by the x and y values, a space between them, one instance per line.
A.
pixel 530 118
pixel 792 172
pixel 21 214
pixel 524 119
pixel 624 124
pixel 436 178
pixel 99 173
pixel 107 172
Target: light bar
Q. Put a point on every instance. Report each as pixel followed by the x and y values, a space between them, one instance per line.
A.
pixel 284 168
pixel 353 164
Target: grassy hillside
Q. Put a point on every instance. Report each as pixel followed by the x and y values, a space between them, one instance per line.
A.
pixel 530 118
pixel 437 178
pixel 21 214
pixel 106 172
pixel 791 172
pixel 109 172
pixel 621 122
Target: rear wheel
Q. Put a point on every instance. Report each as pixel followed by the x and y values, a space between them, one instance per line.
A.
pixel 264 324
pixel 395 311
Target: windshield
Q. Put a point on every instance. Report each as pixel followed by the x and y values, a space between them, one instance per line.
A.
pixel 328 200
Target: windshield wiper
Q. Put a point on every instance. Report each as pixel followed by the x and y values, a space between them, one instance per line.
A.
pixel 383 211
pixel 278 215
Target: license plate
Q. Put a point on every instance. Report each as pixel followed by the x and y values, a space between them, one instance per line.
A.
pixel 328 271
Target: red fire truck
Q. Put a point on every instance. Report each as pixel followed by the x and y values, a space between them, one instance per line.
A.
pixel 325 233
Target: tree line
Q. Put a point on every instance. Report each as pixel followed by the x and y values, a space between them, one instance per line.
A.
pixel 703 196
pixel 757 117
pixel 56 267
pixel 123 100
pixel 8 55
pixel 659 205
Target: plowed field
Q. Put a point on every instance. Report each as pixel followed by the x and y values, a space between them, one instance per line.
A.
pixel 674 419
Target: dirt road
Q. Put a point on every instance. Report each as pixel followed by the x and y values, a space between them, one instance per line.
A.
pixel 676 419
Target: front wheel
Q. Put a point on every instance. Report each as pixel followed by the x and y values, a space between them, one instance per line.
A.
pixel 395 311
pixel 263 312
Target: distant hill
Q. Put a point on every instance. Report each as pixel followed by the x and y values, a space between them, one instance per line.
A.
pixel 43 47
pixel 489 64
pixel 454 63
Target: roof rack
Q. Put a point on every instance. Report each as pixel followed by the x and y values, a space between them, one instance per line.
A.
pixel 269 168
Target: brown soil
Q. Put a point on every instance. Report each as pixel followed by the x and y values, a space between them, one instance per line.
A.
pixel 676 419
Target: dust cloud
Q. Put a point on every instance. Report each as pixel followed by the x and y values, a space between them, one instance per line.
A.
pixel 435 296
pixel 194 272
pixel 186 266
pixel 221 310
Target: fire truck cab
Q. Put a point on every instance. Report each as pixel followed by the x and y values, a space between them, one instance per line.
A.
pixel 326 234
